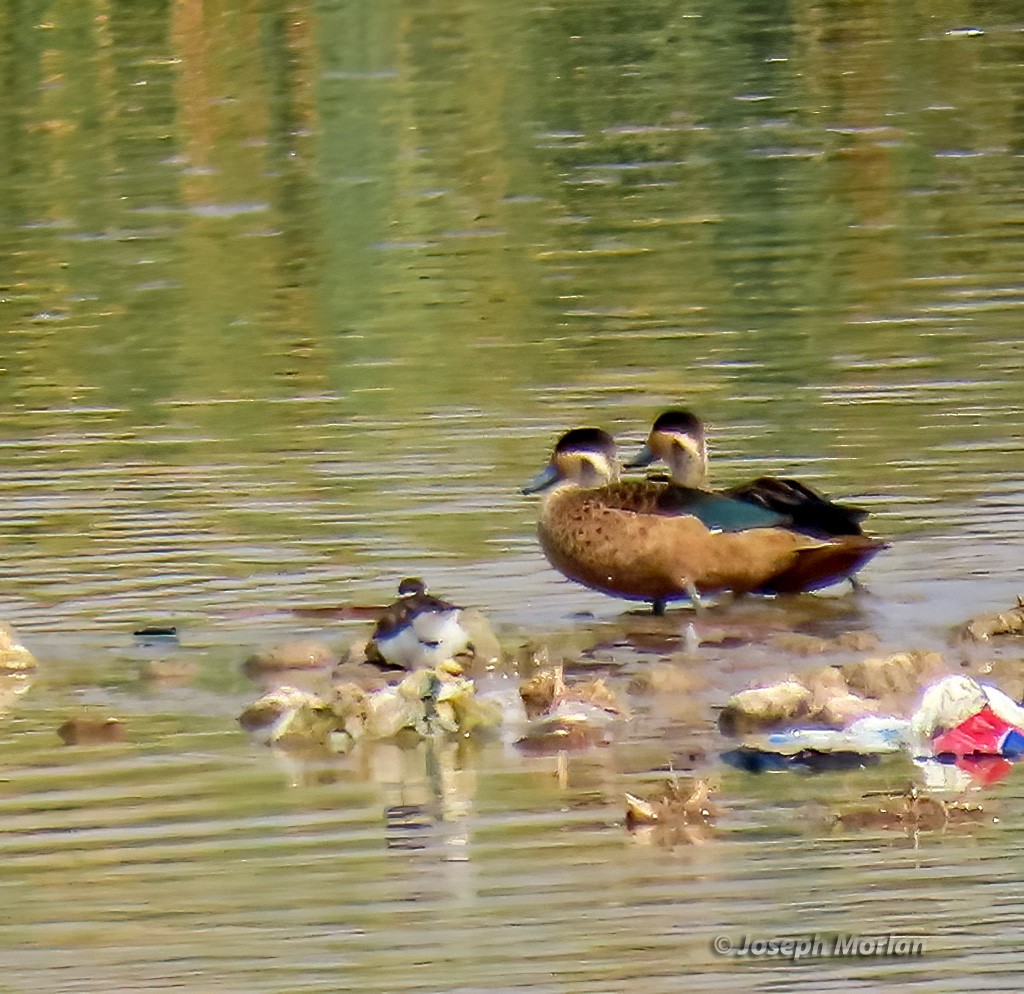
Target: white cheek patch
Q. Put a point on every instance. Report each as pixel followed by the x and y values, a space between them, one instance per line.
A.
pixel 598 469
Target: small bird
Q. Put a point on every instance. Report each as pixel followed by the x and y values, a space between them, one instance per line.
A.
pixel 417 630
pixel 678 439
pixel 662 541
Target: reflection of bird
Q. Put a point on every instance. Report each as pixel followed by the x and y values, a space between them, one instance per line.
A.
pixel 655 541
pixel 678 439
pixel 417 629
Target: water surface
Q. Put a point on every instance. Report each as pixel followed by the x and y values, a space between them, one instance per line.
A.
pixel 295 296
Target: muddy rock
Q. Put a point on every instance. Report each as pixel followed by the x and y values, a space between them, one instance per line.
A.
pixel 986 626
pixel 270 717
pixel 832 702
pixel 761 708
pixel 899 677
pixel 844 709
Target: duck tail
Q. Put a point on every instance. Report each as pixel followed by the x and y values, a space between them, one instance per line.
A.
pixel 825 564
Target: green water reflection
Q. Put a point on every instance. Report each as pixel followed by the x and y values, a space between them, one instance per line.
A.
pixel 278 271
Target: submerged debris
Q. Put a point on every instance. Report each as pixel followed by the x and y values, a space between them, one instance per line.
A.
pixel 667 678
pixel 567 716
pixel 910 811
pixel 987 626
pixel 170 671
pixel 544 692
pixel 150 635
pixel 91 731
pixel 306 654
pixel 800 644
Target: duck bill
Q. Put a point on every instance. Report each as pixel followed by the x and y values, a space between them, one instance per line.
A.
pixel 547 477
pixel 643 458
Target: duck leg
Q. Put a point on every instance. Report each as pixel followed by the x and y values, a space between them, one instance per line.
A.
pixel 658 608
pixel 691 591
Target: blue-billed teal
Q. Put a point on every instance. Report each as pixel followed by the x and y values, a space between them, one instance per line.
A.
pixel 679 440
pixel 662 541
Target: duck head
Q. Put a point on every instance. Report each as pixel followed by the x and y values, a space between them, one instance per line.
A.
pixel 677 438
pixel 410 586
pixel 584 457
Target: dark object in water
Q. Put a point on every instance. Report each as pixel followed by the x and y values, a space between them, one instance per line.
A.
pixel 156 634
pixel 809 760
pixel 407 826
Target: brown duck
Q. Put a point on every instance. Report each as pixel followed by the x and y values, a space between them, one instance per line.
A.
pixel 661 541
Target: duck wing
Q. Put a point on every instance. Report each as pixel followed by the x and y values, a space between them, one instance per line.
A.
pixel 718 512
pixel 806 509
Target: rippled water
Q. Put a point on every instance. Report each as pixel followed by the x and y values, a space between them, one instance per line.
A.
pixel 295 297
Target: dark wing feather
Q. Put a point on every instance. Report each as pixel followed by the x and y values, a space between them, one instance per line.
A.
pixel 807 510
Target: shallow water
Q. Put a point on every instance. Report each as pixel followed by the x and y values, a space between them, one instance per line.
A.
pixel 295 297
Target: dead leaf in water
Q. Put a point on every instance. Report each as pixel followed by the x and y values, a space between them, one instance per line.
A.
pixel 672 817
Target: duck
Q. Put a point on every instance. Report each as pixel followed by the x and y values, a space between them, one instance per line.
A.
pixel 678 438
pixel 657 541
pixel 417 630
